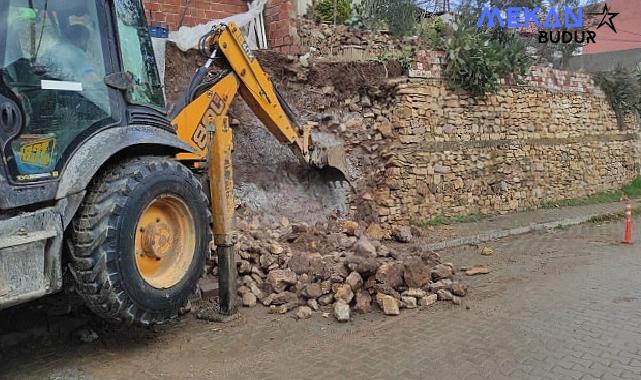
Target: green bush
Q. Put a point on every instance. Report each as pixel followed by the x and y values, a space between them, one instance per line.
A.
pixel 398 15
pixel 478 58
pixel 623 89
pixel 434 31
pixel 324 10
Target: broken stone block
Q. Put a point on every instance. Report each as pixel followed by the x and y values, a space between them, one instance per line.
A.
pixel 244 267
pixel 249 300
pixel 477 269
pixel 311 264
pixel 363 302
pixel 268 300
pixel 326 287
pixel 441 271
pixel 388 304
pixel 267 260
pixel 256 291
pixel 304 312
pixel 431 259
pixel 365 248
pixel 383 251
pixel 390 274
pixel 375 231
pixel 416 273
pixel 344 293
pixel 313 304
pixel 325 300
pixel 312 291
pixel 428 300
pixel 386 289
pixel 280 279
pixel 487 251
pixel 281 309
pixel 409 302
pixel 366 266
pixel 414 292
pixel 349 227
pixel 458 289
pixel 342 311
pixel 444 295
pixel 355 281
pixel 443 284
pixel 243 289
pixel 276 249
pixel 284 298
pixel 403 234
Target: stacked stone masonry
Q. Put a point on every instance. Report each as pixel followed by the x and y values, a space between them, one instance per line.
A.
pixel 429 64
pixel 514 150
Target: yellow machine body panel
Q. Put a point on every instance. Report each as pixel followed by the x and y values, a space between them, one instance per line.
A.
pixel 191 124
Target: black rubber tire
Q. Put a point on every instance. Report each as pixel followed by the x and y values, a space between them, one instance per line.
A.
pixel 102 246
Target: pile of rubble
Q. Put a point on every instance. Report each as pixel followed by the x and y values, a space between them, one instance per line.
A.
pixel 284 269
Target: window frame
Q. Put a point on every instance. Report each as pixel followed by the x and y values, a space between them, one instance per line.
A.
pixel 161 107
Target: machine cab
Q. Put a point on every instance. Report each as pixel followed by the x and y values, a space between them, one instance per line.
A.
pixel 56 61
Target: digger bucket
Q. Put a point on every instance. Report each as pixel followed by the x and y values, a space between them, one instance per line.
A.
pixel 329 156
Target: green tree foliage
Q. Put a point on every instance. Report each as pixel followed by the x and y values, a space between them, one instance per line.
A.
pixel 400 16
pixel 557 54
pixel 326 10
pixel 622 87
pixel 478 58
pixel 434 31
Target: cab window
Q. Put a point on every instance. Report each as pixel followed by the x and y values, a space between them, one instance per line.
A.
pixel 137 53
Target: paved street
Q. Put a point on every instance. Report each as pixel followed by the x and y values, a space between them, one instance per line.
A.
pixel 561 305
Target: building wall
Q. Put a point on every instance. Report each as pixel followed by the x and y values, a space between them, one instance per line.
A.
pixel 169 12
pixel 599 62
pixel 279 16
pixel 280 23
pixel 628 25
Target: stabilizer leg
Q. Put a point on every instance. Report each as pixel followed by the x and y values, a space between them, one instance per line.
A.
pixel 223 204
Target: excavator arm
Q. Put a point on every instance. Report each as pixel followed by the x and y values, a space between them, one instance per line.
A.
pixel 242 73
pixel 201 120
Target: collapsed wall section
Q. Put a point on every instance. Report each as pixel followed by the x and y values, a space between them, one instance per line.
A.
pixel 418 149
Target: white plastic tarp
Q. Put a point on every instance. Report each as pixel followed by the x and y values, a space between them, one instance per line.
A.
pixel 251 22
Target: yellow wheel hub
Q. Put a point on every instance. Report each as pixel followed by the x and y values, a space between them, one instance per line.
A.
pixel 165 241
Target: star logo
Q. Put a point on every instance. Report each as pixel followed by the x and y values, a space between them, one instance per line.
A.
pixel 607 18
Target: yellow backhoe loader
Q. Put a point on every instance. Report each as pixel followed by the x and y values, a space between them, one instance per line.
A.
pixel 98 181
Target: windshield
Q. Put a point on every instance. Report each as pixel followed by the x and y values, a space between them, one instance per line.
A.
pixel 138 55
pixel 52 66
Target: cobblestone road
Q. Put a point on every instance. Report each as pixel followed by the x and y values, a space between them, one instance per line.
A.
pixel 561 305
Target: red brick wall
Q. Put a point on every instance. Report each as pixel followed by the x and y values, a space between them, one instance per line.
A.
pixel 280 23
pixel 169 12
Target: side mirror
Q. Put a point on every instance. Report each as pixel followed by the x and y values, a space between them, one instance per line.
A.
pixel 120 80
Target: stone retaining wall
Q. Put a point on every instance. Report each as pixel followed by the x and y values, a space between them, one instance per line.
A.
pixel 515 150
